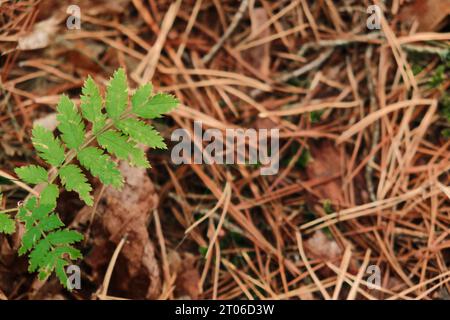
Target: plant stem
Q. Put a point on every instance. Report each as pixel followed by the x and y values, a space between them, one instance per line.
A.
pixel 91 137
pixel 9 210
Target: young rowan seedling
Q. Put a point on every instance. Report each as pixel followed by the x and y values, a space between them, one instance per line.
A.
pixel 116 129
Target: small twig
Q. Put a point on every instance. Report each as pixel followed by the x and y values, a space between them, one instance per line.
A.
pixel 208 214
pixel 306 68
pixel 374 37
pixel 104 289
pixel 237 17
pixel 227 192
pixel 146 69
pixel 191 22
pixel 359 276
pixel 311 272
pixel 18 183
pixel 298 72
pixel 425 49
pixel 162 245
pixel 3 296
pixel 376 130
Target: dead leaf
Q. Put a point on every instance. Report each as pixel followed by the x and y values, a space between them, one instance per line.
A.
pixel 326 163
pixel 102 7
pixel 259 56
pixel 126 212
pixel 40 36
pixel 430 14
pixel 48 121
pixel 322 247
pixel 264 123
pixel 188 277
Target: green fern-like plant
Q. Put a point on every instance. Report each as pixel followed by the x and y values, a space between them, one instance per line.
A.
pixel 116 130
pixel 7 225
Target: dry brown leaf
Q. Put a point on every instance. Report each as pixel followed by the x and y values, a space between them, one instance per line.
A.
pixel 430 14
pixel 264 123
pixel 188 276
pixel 102 7
pixel 259 56
pixel 126 212
pixel 322 247
pixel 326 163
pixel 40 36
pixel 48 121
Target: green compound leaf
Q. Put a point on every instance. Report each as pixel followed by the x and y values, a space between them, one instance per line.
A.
pixel 61 263
pixel 117 144
pixel 24 210
pixel 7 225
pixel 117 95
pixel 31 203
pixel 49 195
pixel 73 179
pixel 69 251
pixel 91 105
pixel 141 97
pixel 141 132
pixel 32 212
pixel 60 272
pixel 139 158
pixel 45 258
pixel 49 246
pixel 101 166
pixel 70 123
pixel 152 107
pixel 50 223
pixel 29 239
pixel 50 254
pixel 38 255
pixel 32 174
pixel 45 272
pixel 49 148
pixel 64 237
pixel 41 211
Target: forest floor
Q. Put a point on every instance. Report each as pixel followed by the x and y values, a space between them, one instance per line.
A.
pixel 359 208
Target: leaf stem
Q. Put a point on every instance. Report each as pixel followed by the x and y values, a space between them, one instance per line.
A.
pixel 9 210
